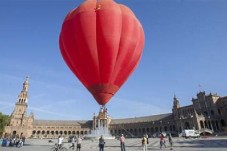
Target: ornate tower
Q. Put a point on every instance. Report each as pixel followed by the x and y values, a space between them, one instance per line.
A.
pixel 20 123
pixel 17 117
pixel 176 103
pixel 176 106
pixel 101 124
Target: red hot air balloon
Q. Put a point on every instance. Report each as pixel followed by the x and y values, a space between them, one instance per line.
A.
pixel 102 43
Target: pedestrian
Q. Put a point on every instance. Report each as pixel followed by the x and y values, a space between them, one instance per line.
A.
pixel 101 143
pixel 78 143
pixel 147 138
pixel 122 142
pixel 20 143
pixel 73 143
pixel 60 140
pixel 144 143
pixel 170 141
pixel 162 141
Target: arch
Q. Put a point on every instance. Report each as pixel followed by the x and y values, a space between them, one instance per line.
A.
pixel 205 113
pixel 74 132
pixel 77 132
pixel 223 124
pixel 56 132
pixel 135 131
pixel 148 130
pixel 115 131
pixel 187 125
pixel 201 124
pixel 205 123
pixel 61 132
pixel 139 130
pixel 14 132
pixel 165 129
pixel 43 132
pixel 38 132
pixel 33 132
pixel 217 126
pixel 219 111
pixel 213 125
pixel 65 132
pixel 156 129
pixel 52 132
pixel 209 125
pixel 119 131
pixel 212 112
pixel 69 132
pixel 48 132
pixel 174 128
pixel 171 128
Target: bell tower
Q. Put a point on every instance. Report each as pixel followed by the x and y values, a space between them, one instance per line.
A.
pixel 176 106
pixel 176 103
pixel 21 124
pixel 17 117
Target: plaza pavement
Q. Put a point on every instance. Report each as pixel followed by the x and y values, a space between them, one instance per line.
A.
pixel 180 144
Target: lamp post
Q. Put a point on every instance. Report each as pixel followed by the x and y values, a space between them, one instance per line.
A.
pixel 193 124
pixel 161 126
pixel 181 123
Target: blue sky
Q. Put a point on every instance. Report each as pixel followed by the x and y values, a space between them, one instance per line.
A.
pixel 185 46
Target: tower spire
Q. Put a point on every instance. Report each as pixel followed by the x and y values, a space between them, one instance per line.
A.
pixel 176 103
pixel 23 96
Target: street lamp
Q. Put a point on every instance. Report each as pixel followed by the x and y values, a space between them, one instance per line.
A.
pixel 161 126
pixel 193 124
pixel 181 123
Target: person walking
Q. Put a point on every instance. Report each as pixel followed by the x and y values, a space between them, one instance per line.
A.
pixel 78 143
pixel 101 143
pixel 170 141
pixel 73 143
pixel 162 141
pixel 122 142
pixel 144 143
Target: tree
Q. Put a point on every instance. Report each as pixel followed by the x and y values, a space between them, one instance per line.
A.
pixel 4 120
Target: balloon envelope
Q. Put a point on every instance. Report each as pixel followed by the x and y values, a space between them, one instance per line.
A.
pixel 102 43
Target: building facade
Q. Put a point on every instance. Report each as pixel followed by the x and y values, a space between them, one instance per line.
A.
pixel 207 113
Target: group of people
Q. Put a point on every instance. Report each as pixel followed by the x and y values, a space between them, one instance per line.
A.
pixel 12 142
pixel 77 141
pixel 74 140
pixel 144 142
pixel 163 142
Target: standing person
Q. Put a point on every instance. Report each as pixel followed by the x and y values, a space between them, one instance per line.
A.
pixel 78 143
pixel 170 141
pixel 162 141
pixel 122 142
pixel 60 140
pixel 73 143
pixel 144 143
pixel 147 138
pixel 101 143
